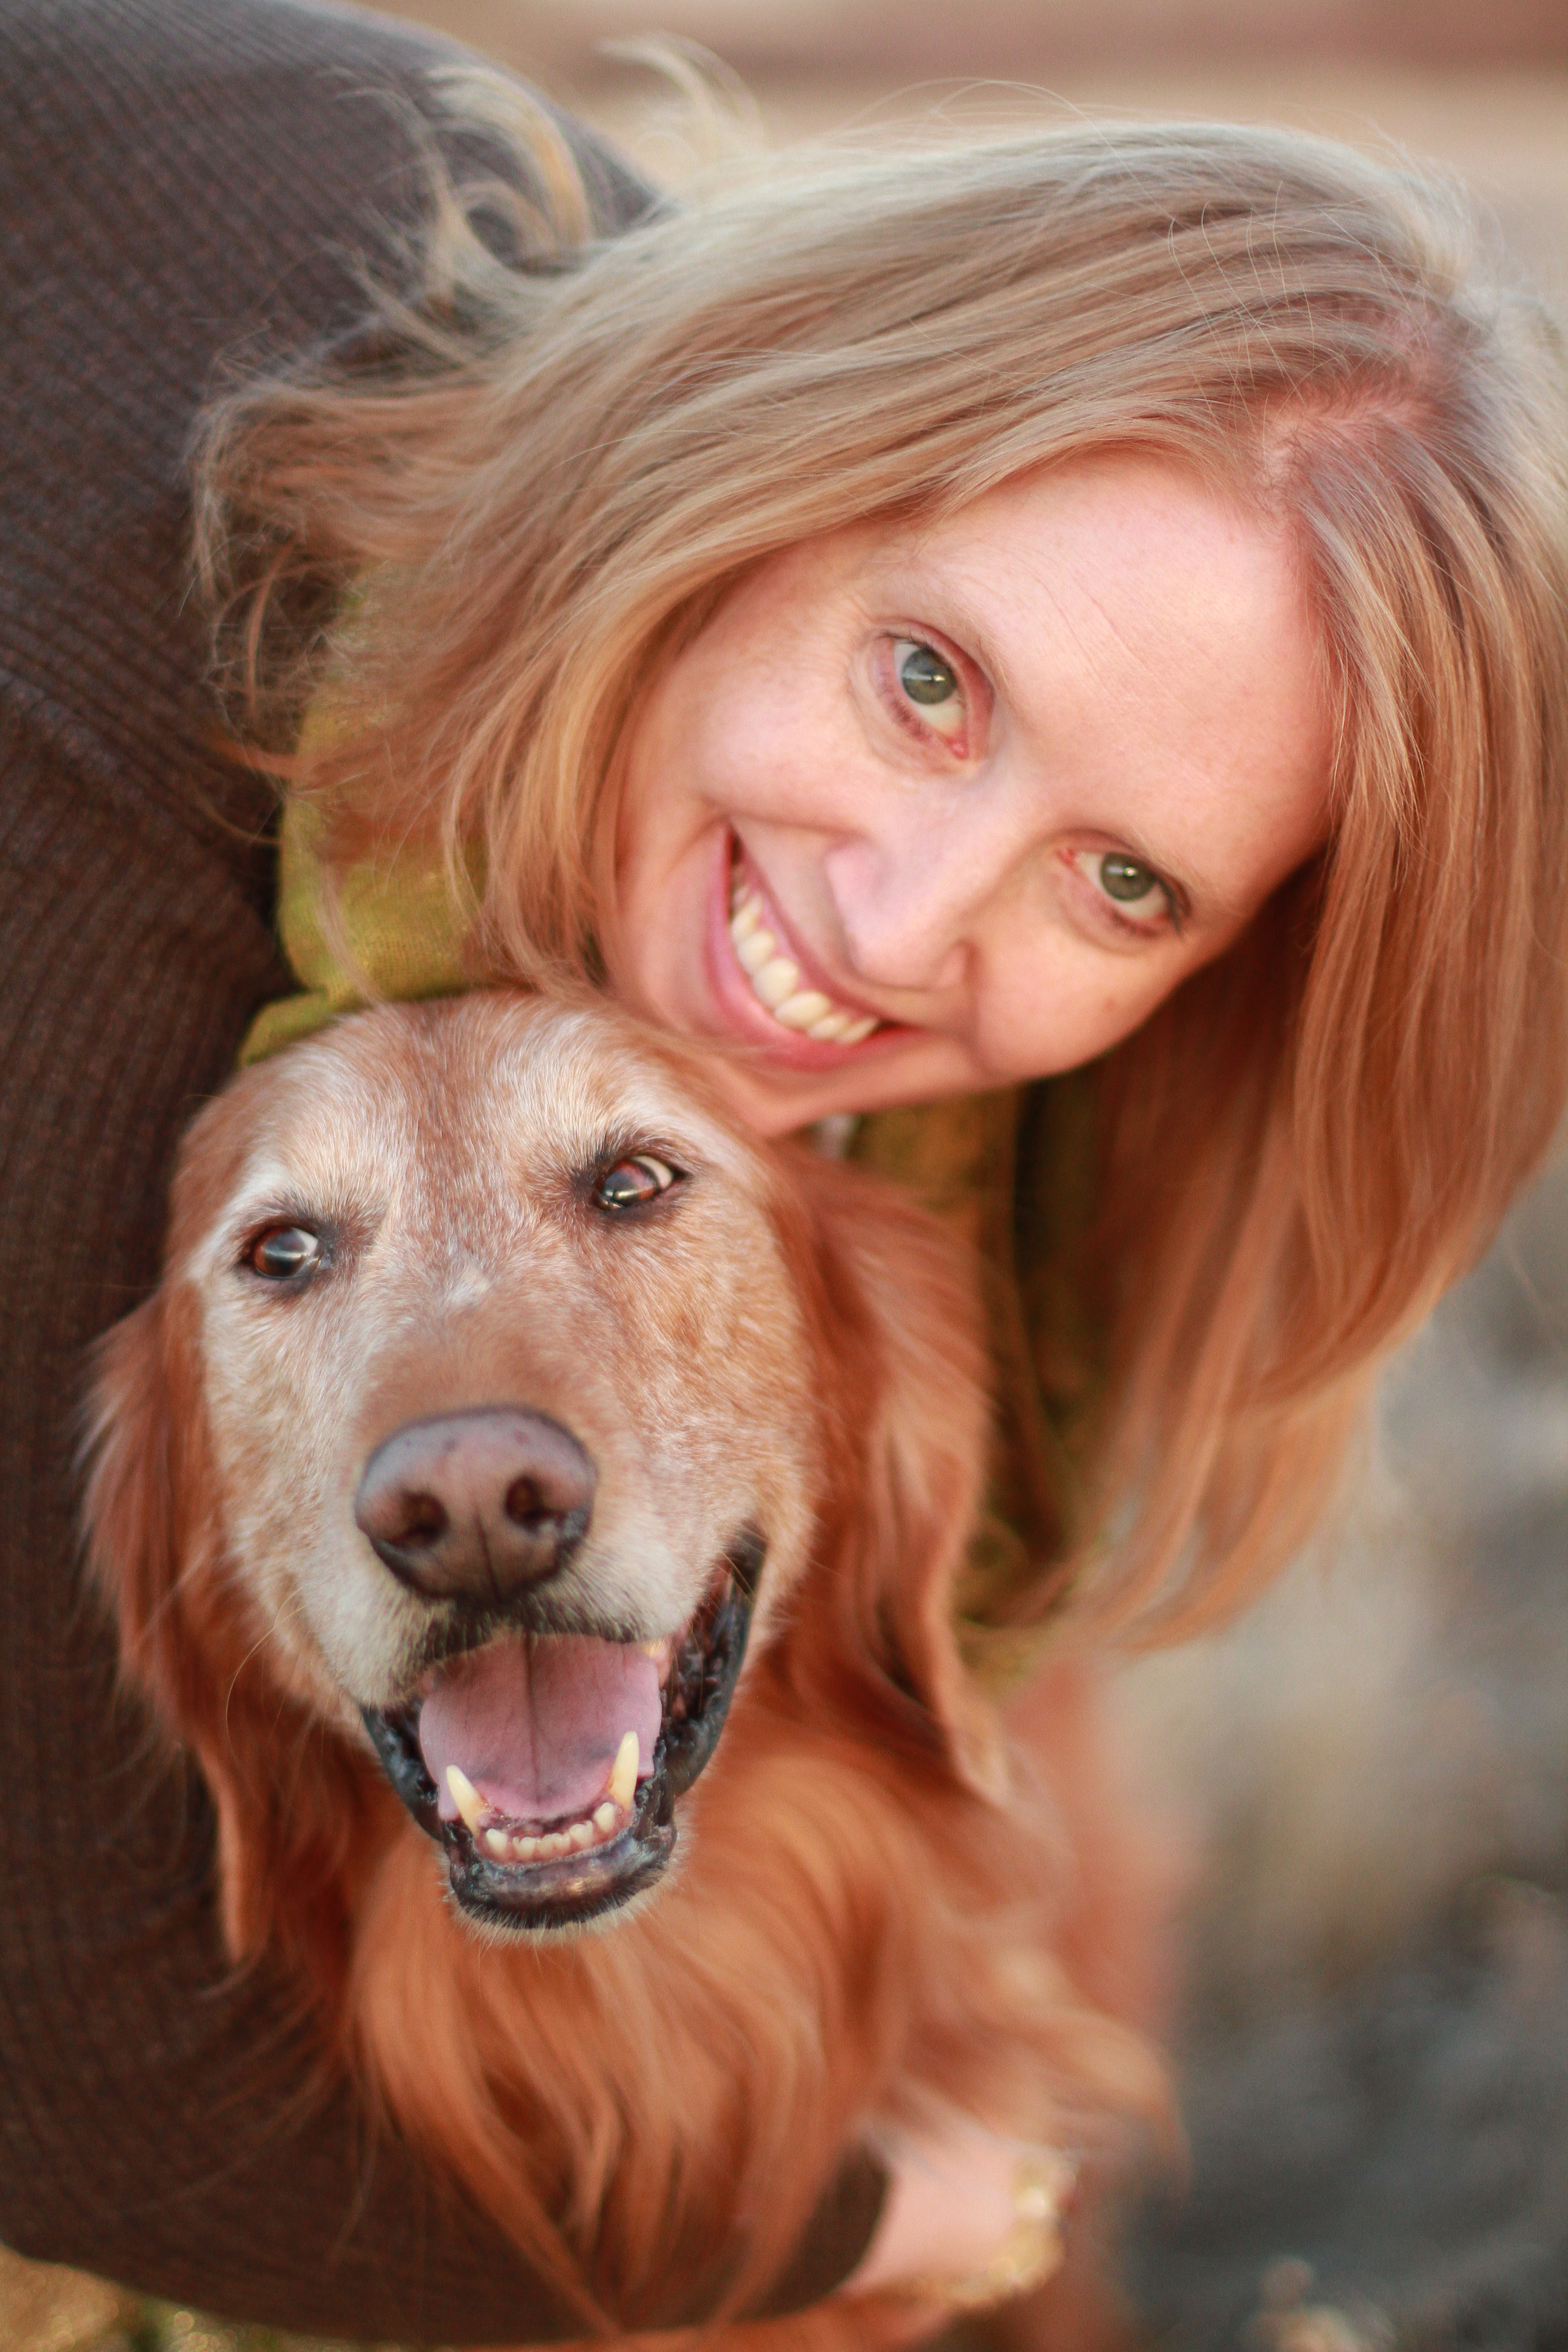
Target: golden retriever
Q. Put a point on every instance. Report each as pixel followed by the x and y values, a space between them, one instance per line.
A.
pixel 507 1426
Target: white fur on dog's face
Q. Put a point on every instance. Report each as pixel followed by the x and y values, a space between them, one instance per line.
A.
pixel 449 1165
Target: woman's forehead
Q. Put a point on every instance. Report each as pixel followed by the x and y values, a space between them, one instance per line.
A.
pixel 1114 519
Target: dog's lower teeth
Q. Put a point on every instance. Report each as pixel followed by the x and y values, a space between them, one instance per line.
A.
pixel 605 1822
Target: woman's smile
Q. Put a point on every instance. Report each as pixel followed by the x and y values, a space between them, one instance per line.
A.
pixel 771 984
pixel 925 809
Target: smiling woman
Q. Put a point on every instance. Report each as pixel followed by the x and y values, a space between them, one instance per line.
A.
pixel 959 805
pixel 1056 646
pixel 1145 652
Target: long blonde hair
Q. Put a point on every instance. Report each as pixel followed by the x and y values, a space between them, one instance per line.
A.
pixel 554 464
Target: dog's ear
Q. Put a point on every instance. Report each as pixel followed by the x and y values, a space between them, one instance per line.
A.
pixel 149 1510
pixel 905 1382
pixel 292 1806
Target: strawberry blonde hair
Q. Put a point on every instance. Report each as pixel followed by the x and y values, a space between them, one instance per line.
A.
pixel 552 460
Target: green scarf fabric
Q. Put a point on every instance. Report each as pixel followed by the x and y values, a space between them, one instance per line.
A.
pixel 397 933
pixel 1011 1173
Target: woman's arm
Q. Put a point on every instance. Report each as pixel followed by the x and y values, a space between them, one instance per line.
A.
pixel 158 2123
pixel 178 179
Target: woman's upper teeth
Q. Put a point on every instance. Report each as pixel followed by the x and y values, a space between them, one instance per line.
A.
pixel 775 980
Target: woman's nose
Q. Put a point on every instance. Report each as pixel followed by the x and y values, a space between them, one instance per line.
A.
pixel 914 903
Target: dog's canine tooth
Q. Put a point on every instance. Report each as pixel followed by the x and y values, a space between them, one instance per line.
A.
pixel 466 1799
pixel 606 1817
pixel 624 1773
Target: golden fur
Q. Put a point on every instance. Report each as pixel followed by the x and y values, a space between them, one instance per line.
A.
pixel 879 1912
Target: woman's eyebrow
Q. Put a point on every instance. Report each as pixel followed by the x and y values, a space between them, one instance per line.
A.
pixel 975 613
pixel 956 610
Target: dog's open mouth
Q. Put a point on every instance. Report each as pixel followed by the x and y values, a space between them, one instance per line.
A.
pixel 548 1764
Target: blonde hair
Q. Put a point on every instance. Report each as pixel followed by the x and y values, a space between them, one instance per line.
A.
pixel 555 465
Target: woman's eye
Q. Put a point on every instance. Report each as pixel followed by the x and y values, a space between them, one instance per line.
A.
pixel 284 1251
pixel 632 1182
pixel 1137 891
pixel 930 681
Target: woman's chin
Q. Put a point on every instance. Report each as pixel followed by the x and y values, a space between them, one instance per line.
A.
pixel 912 1065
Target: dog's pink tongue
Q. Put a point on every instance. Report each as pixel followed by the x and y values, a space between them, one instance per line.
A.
pixel 535 1724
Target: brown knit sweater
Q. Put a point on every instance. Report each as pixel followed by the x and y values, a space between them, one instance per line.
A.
pixel 181 180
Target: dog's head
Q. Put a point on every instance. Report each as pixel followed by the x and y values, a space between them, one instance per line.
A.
pixel 498 1390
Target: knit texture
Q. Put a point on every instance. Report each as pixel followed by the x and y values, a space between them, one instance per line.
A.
pixel 183 183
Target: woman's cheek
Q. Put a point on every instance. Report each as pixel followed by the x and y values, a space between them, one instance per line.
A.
pixel 1048 1015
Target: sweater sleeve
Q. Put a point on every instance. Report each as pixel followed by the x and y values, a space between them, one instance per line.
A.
pixel 175 176
pixel 158 2123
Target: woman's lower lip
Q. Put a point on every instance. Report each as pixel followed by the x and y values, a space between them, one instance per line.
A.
pixel 751 1019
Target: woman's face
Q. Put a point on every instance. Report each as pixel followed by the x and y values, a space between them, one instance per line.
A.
pixel 926 808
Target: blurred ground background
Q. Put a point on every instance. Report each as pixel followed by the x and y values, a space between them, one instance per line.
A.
pixel 1477 87
pixel 1369 1775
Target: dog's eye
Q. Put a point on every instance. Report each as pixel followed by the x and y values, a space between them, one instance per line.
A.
pixel 284 1251
pixel 632 1182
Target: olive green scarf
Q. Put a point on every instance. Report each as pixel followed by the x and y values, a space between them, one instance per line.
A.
pixel 397 934
pixel 1010 1171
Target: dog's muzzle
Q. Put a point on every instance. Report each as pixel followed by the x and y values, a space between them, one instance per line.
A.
pixel 577 1841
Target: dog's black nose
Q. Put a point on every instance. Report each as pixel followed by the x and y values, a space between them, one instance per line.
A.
pixel 475 1506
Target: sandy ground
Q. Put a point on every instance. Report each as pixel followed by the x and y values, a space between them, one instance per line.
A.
pixel 1370 1774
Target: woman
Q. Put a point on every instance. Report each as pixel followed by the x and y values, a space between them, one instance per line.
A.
pixel 929 624
pixel 1085 601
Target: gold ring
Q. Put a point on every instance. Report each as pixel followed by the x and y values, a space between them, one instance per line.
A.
pixel 1032 2251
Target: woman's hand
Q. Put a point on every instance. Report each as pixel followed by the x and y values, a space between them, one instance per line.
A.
pixel 969 2219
